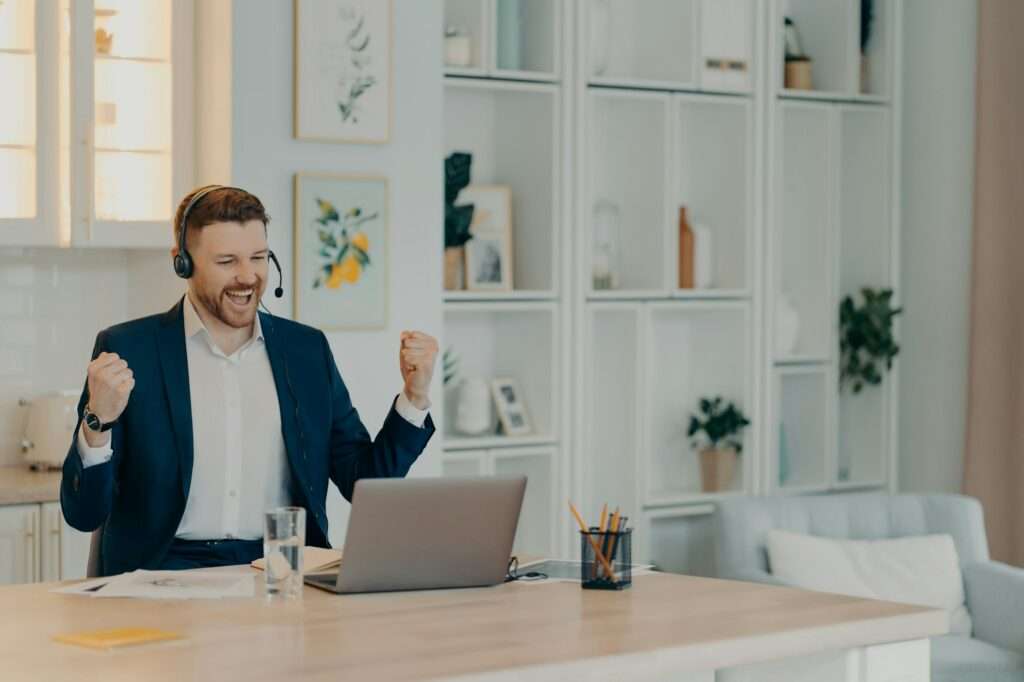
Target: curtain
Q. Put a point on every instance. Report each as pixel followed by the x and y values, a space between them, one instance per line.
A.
pixel 994 453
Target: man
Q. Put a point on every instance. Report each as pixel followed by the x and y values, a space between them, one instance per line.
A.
pixel 196 421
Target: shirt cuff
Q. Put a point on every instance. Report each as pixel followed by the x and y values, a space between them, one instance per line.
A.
pixel 409 412
pixel 93 456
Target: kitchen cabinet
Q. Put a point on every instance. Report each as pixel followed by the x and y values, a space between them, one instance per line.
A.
pixel 36 544
pixel 19 544
pixel 100 140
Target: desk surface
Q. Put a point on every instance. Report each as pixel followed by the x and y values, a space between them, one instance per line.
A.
pixel 674 622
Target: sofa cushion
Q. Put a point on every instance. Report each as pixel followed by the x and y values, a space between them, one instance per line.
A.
pixel 962 659
pixel 922 570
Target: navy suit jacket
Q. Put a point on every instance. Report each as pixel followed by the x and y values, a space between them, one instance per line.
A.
pixel 139 495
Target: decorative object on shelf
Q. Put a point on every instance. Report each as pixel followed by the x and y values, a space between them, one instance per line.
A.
pixel 450 365
pixel 489 253
pixel 867 17
pixel 798 65
pixel 720 443
pixel 508 401
pixel 473 415
pixel 606 257
pixel 509 15
pixel 703 257
pixel 343 70
pixel 787 325
pixel 600 38
pixel 458 47
pixel 457 219
pixel 341 251
pixel 686 251
pixel 103 35
pixel 866 341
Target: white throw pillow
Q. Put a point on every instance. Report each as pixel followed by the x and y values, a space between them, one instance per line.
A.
pixel 922 570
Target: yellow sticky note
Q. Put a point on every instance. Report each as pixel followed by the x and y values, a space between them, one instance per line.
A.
pixel 108 639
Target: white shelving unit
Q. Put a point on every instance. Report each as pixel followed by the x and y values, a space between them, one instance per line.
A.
pixel 507 109
pixel 684 107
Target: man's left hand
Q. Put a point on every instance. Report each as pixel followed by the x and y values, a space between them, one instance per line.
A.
pixel 416 358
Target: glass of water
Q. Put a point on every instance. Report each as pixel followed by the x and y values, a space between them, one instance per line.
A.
pixel 284 536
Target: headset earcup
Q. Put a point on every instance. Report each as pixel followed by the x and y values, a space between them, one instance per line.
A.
pixel 183 265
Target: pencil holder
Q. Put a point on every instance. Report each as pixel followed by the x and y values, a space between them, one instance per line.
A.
pixel 607 559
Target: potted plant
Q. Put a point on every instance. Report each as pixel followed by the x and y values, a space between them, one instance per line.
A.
pixel 457 219
pixel 715 431
pixel 866 340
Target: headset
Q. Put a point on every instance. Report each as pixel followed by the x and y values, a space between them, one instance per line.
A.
pixel 183 265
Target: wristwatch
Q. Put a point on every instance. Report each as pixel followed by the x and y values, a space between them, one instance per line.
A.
pixel 93 422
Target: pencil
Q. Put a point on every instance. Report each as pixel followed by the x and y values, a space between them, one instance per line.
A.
pixel 590 538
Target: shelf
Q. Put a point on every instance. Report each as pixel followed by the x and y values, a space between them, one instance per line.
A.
pixel 800 446
pixel 839 97
pixel 16 51
pixel 653 42
pixel 138 30
pixel 794 360
pixel 511 129
pixel 804 315
pixel 525 38
pixel 497 299
pixel 131 60
pixel 626 184
pixel 694 350
pixel 711 294
pixel 714 180
pixel 459 443
pixel 470 17
pixel 516 340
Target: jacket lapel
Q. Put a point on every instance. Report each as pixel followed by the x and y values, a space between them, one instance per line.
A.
pixel 286 402
pixel 174 363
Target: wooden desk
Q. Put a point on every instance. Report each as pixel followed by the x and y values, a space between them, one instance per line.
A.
pixel 665 627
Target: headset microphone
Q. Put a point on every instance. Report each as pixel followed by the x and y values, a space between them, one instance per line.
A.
pixel 279 291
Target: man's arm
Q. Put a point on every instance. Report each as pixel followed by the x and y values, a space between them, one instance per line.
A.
pixel 353 454
pixel 86 489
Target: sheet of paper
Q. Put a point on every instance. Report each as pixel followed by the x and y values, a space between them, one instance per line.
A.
pixel 178 585
pixel 86 588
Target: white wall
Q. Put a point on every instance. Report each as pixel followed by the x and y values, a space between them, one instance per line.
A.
pixel 265 157
pixel 938 173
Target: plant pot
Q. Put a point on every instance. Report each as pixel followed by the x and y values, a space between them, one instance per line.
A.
pixel 717 468
pixel 455 268
pixel 865 74
pixel 798 75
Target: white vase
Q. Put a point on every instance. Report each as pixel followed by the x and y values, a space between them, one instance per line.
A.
pixel 458 50
pixel 787 325
pixel 473 416
pixel 703 257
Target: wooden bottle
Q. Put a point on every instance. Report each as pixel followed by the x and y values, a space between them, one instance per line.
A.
pixel 686 251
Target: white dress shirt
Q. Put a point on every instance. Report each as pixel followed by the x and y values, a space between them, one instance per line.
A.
pixel 240 468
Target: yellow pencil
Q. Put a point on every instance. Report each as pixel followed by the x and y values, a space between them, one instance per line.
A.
pixel 604 517
pixel 593 543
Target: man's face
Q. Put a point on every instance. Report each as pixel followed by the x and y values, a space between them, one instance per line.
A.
pixel 230 270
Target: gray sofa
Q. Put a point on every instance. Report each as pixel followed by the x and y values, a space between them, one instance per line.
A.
pixel 995 591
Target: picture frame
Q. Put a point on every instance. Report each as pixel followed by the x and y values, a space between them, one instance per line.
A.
pixel 509 406
pixel 358 107
pixel 341 251
pixel 489 257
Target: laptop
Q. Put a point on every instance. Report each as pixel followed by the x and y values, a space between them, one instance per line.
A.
pixel 427 533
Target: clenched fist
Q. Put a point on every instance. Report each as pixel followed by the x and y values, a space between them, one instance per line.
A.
pixel 110 384
pixel 416 360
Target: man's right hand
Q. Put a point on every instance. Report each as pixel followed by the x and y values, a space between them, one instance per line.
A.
pixel 110 385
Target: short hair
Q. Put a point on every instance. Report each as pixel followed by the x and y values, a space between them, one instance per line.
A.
pixel 221 205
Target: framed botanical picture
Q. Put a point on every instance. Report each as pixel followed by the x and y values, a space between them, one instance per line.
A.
pixel 342 75
pixel 508 403
pixel 489 252
pixel 341 251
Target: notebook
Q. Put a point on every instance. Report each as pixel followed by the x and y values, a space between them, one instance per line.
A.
pixel 314 559
pixel 108 639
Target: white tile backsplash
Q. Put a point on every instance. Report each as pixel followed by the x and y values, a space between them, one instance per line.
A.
pixel 52 304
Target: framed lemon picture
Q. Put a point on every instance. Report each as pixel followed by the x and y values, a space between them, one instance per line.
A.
pixel 341 251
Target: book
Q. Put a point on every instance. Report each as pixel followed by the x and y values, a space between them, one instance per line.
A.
pixel 314 560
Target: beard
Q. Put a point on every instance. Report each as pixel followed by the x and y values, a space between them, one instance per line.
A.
pixel 232 310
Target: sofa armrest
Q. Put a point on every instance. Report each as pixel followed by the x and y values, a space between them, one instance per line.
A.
pixel 995 598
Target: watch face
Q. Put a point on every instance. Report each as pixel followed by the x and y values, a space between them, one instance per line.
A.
pixel 92 421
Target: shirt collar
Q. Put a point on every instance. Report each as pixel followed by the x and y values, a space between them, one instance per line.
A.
pixel 194 325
